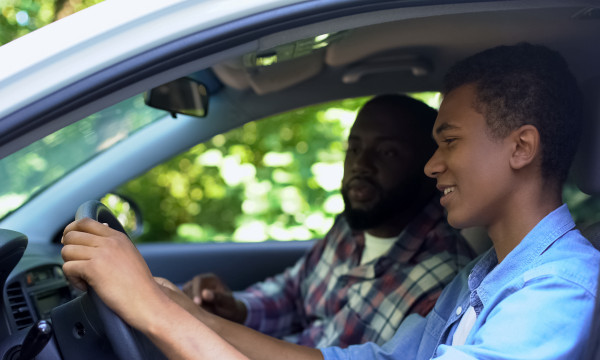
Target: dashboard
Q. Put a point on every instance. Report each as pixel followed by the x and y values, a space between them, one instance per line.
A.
pixel 32 294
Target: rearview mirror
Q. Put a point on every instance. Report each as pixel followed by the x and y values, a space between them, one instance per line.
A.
pixel 182 96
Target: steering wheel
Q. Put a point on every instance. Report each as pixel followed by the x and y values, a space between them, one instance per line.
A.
pixel 86 322
pixel 120 335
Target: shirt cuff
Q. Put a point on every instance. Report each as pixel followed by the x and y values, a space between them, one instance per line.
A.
pixel 254 309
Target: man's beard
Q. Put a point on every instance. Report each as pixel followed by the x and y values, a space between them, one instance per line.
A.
pixel 389 205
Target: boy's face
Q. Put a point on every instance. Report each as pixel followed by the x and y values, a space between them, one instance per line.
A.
pixel 471 168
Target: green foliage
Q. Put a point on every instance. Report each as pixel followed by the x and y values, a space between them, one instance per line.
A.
pixel 20 17
pixel 276 178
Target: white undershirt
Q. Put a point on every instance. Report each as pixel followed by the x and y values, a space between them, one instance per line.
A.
pixel 464 327
pixel 376 247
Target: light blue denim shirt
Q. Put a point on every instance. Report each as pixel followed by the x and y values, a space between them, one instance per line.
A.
pixel 537 304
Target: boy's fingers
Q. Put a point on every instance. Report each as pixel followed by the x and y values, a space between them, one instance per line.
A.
pixel 90 226
pixel 81 238
pixel 75 272
pixel 76 252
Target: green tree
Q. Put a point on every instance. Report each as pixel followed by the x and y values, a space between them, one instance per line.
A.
pixel 20 17
pixel 273 178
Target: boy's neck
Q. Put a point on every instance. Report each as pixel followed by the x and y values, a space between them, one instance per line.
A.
pixel 522 213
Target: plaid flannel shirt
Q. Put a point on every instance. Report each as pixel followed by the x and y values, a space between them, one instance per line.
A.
pixel 327 298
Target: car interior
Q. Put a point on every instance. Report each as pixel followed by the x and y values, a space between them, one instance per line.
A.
pixel 249 69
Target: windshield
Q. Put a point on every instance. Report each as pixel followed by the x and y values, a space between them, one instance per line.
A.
pixel 28 171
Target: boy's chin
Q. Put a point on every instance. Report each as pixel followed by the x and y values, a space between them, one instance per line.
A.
pixel 460 222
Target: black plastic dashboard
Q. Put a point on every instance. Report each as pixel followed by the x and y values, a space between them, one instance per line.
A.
pixel 33 293
pixel 33 284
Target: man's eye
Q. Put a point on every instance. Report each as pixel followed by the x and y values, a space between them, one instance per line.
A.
pixel 390 152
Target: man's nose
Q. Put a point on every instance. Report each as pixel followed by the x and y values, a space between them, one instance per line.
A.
pixel 364 162
pixel 435 165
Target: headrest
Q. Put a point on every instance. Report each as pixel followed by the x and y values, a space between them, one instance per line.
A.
pixel 586 167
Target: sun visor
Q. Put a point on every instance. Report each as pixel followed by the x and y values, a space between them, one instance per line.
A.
pixel 269 77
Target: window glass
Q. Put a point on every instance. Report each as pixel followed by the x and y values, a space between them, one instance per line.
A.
pixel 584 208
pixel 277 178
pixel 30 170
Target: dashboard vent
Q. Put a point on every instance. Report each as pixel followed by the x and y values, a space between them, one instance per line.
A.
pixel 18 306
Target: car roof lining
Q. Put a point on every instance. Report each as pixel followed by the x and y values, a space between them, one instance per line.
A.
pixel 444 42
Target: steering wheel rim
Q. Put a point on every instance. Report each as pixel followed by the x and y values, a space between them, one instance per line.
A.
pixel 121 336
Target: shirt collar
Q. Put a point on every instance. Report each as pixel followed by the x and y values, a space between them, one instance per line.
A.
pixel 414 234
pixel 406 246
pixel 488 276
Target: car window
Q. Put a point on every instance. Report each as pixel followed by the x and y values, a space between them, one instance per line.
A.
pixel 584 208
pixel 30 170
pixel 273 179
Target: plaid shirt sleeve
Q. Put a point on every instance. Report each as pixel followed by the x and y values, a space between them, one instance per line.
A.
pixel 275 306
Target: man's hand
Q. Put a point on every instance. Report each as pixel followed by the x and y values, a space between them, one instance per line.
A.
pixel 208 291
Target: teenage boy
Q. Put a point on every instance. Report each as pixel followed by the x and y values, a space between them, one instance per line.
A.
pixel 507 131
pixel 388 255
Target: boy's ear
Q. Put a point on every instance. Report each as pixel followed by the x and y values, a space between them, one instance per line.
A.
pixel 526 146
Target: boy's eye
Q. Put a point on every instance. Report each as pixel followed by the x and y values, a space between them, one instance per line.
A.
pixel 449 140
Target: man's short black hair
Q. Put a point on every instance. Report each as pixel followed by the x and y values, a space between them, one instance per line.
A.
pixel 526 84
pixel 422 115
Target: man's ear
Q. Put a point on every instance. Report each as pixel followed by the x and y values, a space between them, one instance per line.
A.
pixel 526 146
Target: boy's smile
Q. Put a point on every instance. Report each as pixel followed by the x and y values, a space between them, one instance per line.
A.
pixel 446 193
pixel 469 165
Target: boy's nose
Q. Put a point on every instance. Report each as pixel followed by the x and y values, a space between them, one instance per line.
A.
pixel 434 166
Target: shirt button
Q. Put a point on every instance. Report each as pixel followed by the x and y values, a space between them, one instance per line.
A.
pixel 459 310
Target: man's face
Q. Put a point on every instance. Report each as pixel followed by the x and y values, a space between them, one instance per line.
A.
pixel 383 166
pixel 471 168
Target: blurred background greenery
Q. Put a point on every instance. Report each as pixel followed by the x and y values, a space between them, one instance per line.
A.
pixel 276 178
pixel 20 17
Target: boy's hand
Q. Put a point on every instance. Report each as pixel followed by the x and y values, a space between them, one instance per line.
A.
pixel 208 291
pixel 107 260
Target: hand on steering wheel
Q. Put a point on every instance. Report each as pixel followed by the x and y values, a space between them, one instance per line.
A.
pixel 120 260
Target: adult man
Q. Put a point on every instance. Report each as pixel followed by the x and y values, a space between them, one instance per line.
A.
pixel 389 254
pixel 507 132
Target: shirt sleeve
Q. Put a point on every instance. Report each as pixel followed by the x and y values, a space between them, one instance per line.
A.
pixel 275 306
pixel 540 321
pixel 404 344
